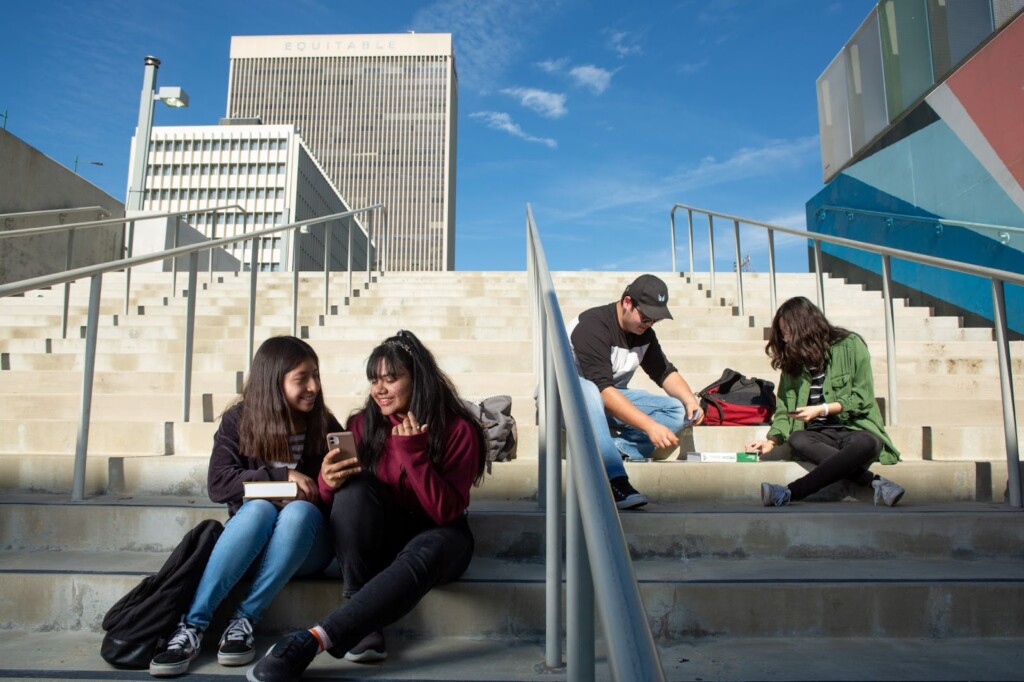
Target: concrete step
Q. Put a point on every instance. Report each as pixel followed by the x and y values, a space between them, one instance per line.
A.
pixel 29 655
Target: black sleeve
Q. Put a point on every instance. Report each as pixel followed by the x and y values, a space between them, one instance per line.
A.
pixel 229 467
pixel 655 363
pixel 593 350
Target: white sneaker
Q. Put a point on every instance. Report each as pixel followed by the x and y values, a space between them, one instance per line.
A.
pixel 887 492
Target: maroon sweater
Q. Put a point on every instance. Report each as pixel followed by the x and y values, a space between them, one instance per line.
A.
pixel 229 467
pixel 441 492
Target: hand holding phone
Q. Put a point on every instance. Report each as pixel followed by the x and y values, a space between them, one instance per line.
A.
pixel 341 461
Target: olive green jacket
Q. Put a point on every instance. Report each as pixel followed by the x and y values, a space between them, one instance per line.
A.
pixel 848 382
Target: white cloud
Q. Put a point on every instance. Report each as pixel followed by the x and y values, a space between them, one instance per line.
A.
pixel 691 68
pixel 553 65
pixel 624 43
pixel 547 104
pixel 488 36
pixel 499 120
pixel 592 77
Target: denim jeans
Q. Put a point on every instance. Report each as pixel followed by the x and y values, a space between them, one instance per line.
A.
pixel 292 540
pixel 389 559
pixel 630 442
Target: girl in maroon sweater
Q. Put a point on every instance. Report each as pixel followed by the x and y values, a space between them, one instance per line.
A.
pixel 399 523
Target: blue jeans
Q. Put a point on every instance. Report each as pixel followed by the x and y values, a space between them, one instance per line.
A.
pixel 630 442
pixel 292 540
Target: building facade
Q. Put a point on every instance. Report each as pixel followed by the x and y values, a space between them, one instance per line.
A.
pixel 269 172
pixel 379 113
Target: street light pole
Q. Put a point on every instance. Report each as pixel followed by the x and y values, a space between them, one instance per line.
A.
pixel 137 188
pixel 91 163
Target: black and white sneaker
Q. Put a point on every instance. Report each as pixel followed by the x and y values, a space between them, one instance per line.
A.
pixel 237 646
pixel 287 660
pixel 370 649
pixel 626 496
pixel 180 652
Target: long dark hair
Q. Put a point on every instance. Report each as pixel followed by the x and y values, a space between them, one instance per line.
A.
pixel 435 401
pixel 811 336
pixel 267 421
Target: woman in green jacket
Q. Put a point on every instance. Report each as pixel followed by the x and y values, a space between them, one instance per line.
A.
pixel 827 409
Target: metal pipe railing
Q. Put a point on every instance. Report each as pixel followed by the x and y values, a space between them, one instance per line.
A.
pixel 600 541
pixel 96 272
pixel 998 278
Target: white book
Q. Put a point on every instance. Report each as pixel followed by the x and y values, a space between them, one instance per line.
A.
pixel 271 490
pixel 721 456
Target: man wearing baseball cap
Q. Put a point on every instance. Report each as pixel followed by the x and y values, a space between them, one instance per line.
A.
pixel 609 343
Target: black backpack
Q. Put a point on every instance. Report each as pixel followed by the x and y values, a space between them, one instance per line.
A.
pixel 139 624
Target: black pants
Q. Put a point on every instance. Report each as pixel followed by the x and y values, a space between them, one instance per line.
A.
pixel 838 453
pixel 389 559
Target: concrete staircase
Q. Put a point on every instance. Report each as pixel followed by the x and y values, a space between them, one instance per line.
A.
pixel 932 589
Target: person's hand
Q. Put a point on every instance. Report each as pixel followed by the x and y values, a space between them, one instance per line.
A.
pixel 695 414
pixel 307 486
pixel 662 436
pixel 761 447
pixel 409 426
pixel 336 468
pixel 807 413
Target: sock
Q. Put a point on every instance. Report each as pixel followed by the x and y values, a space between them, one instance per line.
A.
pixel 321 637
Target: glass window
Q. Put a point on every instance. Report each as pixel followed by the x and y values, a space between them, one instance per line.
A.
pixel 957 27
pixel 833 118
pixel 245 145
pixel 866 87
pixel 906 52
pixel 216 145
pixel 177 145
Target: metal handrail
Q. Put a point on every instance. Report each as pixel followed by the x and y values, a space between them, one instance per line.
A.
pixel 70 228
pixel 52 211
pixel 96 272
pixel 1003 230
pixel 998 279
pixel 598 561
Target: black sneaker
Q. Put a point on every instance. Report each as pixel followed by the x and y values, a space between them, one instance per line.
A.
pixel 370 650
pixel 180 652
pixel 287 660
pixel 237 646
pixel 626 496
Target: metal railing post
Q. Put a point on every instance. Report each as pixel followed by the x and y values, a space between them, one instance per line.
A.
pixel 553 516
pixel 672 236
pixel 174 261
pixel 579 585
pixel 190 332
pixel 369 242
pixel 711 253
pixel 327 269
pixel 739 264
pixel 689 236
pixel 253 274
pixel 128 271
pixel 67 285
pixel 88 371
pixel 350 293
pixel 213 235
pixel 819 275
pixel 773 299
pixel 1006 390
pixel 295 281
pixel 892 416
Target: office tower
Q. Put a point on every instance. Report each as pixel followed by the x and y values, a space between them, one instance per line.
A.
pixel 379 113
pixel 269 172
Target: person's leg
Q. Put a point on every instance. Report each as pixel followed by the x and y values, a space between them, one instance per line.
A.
pixel 599 420
pixel 244 537
pixel 299 541
pixel 664 409
pixel 434 556
pixel 839 454
pixel 366 528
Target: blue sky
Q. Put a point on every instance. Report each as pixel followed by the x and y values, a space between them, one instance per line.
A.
pixel 601 114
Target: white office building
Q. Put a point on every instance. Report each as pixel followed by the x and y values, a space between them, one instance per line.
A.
pixel 268 171
pixel 379 112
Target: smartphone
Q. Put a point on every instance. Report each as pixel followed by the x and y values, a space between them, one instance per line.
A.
pixel 343 440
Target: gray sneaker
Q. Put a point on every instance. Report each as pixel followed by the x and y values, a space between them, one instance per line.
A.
pixel 887 492
pixel 774 495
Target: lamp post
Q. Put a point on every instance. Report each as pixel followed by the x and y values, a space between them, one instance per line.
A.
pixel 91 163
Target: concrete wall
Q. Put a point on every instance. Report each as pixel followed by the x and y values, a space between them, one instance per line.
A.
pixel 158 234
pixel 31 181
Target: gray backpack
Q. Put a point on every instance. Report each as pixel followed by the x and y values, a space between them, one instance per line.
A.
pixel 495 417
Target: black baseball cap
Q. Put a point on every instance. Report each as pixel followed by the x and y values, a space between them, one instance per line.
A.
pixel 651 294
